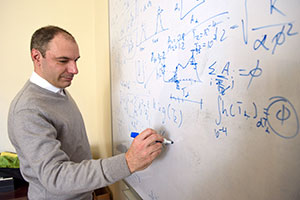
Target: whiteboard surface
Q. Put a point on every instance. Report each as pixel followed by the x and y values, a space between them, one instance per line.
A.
pixel 220 79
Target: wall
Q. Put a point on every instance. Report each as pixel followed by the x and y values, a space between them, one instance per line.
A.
pixel 104 140
pixel 18 20
pixel 103 111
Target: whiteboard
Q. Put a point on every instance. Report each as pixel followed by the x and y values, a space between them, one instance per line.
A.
pixel 220 79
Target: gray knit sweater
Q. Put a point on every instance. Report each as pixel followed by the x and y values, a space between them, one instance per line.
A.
pixel 48 133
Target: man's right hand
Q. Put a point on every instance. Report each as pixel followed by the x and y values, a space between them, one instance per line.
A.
pixel 143 150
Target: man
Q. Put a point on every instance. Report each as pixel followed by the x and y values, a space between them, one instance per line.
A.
pixel 48 133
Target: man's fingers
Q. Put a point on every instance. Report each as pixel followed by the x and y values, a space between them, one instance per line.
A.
pixel 146 133
pixel 155 148
pixel 150 136
pixel 153 139
pixel 154 154
pixel 144 149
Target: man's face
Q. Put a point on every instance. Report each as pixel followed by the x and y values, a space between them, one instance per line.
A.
pixel 59 64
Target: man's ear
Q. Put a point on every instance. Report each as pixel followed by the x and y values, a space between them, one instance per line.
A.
pixel 36 57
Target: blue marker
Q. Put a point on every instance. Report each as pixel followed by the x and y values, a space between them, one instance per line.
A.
pixel 166 141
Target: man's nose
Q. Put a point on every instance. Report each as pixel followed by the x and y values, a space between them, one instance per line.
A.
pixel 72 68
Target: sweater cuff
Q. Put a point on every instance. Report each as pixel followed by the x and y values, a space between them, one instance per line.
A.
pixel 116 168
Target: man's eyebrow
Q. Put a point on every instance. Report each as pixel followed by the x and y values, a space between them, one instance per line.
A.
pixel 66 58
pixel 63 57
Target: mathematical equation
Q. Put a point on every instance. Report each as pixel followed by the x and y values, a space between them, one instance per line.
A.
pixel 154 44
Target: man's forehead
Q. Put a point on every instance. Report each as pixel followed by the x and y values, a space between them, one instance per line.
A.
pixel 62 40
pixel 64 36
pixel 62 45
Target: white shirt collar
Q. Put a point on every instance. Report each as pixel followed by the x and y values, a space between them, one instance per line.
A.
pixel 38 80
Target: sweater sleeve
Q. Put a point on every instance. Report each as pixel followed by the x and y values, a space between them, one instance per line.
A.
pixel 42 158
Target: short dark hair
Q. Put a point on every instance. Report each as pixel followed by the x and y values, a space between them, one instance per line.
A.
pixel 44 35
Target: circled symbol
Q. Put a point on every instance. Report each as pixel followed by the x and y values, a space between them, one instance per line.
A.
pixel 282 117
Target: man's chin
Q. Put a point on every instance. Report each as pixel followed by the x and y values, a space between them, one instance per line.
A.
pixel 66 84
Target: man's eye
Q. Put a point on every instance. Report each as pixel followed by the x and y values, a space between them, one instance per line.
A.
pixel 63 61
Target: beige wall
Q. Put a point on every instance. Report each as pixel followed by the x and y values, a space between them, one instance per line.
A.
pixel 88 22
